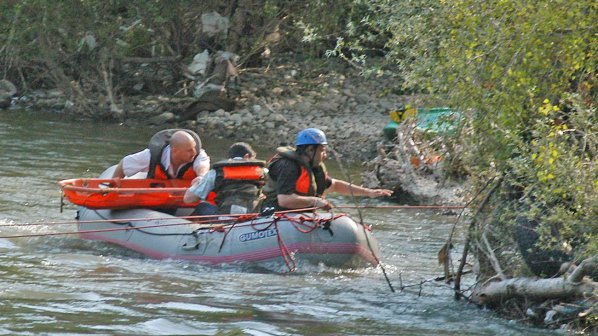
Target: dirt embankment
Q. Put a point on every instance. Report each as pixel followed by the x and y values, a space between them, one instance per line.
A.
pixel 271 104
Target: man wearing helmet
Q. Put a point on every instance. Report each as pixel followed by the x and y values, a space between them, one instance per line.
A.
pixel 298 178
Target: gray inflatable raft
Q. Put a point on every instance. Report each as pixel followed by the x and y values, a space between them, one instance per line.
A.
pixel 321 238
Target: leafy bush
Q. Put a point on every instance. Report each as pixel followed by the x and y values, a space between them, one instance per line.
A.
pixel 525 75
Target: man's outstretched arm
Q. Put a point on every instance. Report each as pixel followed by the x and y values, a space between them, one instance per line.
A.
pixel 346 188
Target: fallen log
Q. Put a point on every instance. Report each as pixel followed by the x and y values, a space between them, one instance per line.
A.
pixel 571 286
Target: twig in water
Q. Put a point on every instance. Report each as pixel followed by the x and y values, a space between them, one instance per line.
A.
pixel 457 287
pixel 344 172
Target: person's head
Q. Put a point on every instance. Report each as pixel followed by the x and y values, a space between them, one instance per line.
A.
pixel 241 150
pixel 311 143
pixel 183 147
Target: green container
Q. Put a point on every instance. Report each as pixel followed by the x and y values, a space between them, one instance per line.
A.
pixel 437 119
pixel 390 130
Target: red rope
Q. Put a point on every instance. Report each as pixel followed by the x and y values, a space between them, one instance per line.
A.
pixel 92 231
pixel 287 256
pixel 235 215
pixel 399 206
pixel 147 218
pixel 241 218
pixel 110 220
pixel 301 220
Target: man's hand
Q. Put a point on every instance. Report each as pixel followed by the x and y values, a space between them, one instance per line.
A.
pixel 196 180
pixel 322 203
pixel 379 192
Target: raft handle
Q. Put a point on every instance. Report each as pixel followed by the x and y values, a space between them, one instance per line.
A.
pixel 157 185
pixel 186 247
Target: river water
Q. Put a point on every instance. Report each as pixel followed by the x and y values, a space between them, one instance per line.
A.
pixel 62 285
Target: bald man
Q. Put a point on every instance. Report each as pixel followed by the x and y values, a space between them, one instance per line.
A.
pixel 173 153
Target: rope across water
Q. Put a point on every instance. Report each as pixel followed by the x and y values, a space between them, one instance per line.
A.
pixel 222 223
pixel 213 218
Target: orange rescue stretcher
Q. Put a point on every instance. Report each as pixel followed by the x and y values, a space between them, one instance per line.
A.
pixel 117 193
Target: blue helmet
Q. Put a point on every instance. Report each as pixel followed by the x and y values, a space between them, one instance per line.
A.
pixel 311 136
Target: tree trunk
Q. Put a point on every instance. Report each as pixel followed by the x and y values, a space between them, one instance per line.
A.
pixel 569 287
pixel 241 23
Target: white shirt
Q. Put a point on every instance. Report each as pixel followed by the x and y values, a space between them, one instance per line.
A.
pixel 139 162
pixel 203 187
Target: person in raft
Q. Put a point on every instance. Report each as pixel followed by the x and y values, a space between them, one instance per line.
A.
pixel 236 181
pixel 172 153
pixel 298 178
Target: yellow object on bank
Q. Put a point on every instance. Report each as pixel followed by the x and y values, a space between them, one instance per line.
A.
pixel 401 114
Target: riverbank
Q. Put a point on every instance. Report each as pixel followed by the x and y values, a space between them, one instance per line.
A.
pixel 273 103
pixel 276 101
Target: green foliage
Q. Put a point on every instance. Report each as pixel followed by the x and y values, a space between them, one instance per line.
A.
pixel 557 171
pixel 528 72
pixel 60 32
pixel 523 73
pixel 312 27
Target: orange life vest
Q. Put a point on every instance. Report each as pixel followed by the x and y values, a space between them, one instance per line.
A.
pixel 311 181
pixel 158 143
pixel 186 172
pixel 239 171
pixel 238 182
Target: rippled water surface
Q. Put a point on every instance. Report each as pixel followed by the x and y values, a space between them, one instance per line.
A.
pixel 60 284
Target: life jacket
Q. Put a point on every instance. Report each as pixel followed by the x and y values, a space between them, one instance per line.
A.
pixel 157 144
pixel 238 183
pixel 311 181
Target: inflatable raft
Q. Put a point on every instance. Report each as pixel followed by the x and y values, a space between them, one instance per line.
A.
pixel 321 238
